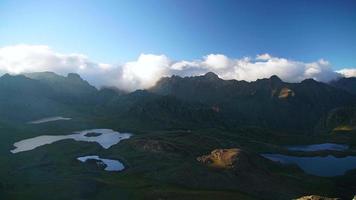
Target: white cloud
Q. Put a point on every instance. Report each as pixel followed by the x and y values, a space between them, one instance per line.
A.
pixel 216 61
pixel 263 66
pixel 144 72
pixel 265 56
pixel 148 68
pixel 183 65
pixel 348 72
pixel 35 58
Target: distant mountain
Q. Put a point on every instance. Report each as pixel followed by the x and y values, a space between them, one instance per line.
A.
pixel 21 85
pixel 71 87
pixel 268 103
pixel 23 99
pixel 36 95
pixel 176 103
pixel 347 84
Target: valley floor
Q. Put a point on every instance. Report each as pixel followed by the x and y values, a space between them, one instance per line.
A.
pixel 159 165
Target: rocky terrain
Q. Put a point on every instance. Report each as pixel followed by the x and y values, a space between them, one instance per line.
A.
pixel 315 197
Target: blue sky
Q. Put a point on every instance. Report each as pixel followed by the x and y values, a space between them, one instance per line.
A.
pixel 119 31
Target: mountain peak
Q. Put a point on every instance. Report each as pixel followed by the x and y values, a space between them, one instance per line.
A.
pixel 211 75
pixel 347 84
pixel 309 81
pixel 275 78
pixel 41 75
pixel 6 76
pixel 74 76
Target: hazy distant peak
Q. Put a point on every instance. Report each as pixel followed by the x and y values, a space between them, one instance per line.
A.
pixel 275 78
pixel 74 76
pixel 309 81
pixel 45 73
pixel 211 75
pixel 347 84
pixel 51 76
pixel 7 75
pixel 41 75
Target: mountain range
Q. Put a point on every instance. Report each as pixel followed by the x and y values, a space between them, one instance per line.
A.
pixel 175 102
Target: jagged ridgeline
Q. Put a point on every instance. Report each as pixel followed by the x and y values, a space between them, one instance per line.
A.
pixel 175 102
pixel 268 103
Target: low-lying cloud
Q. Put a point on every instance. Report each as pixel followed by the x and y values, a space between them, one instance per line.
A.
pixel 148 68
pixel 348 72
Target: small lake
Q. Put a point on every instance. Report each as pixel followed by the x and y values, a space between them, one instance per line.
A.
pixel 104 137
pixel 110 165
pixel 49 119
pixel 319 147
pixel 327 166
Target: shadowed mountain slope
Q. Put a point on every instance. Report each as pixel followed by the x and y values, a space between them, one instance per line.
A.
pixel 347 84
pixel 69 88
pixel 176 102
pixel 266 102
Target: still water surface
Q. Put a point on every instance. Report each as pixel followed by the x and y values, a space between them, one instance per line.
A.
pixel 105 137
pixel 111 165
pixel 49 119
pixel 320 166
pixel 319 147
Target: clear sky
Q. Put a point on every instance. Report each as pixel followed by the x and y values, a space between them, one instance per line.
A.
pixel 119 31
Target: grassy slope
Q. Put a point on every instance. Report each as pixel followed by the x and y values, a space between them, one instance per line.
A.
pixel 167 171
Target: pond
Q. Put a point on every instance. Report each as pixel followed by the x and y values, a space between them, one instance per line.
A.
pixel 327 166
pixel 110 165
pixel 105 137
pixel 319 147
pixel 49 119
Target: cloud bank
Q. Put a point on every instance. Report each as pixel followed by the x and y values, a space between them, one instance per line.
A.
pixel 148 68
pixel 348 72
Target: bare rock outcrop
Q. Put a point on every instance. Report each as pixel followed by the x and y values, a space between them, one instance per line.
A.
pixel 222 158
pixel 250 169
pixel 316 197
pixel 286 93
